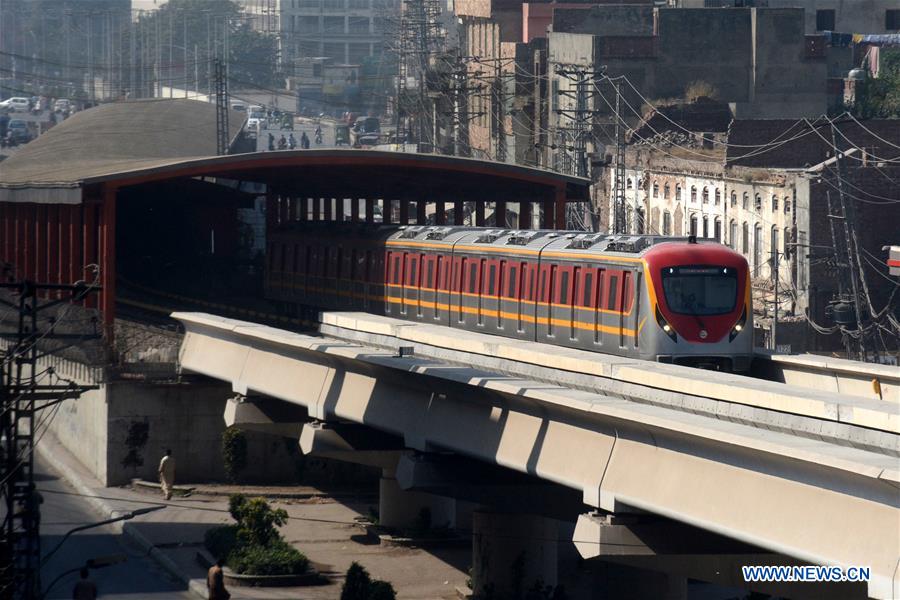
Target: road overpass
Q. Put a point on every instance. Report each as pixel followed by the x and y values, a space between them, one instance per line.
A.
pixel 805 474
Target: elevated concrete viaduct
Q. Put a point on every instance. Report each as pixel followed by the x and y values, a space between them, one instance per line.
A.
pixel 751 482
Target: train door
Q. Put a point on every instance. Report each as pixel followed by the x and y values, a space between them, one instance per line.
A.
pixel 500 292
pixel 459 284
pixel 623 295
pixel 577 286
pixel 550 290
pixel 481 291
pixel 441 289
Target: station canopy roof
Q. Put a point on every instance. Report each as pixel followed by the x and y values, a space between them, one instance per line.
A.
pixel 140 141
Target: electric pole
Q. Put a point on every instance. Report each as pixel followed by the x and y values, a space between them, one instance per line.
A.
pixel 222 129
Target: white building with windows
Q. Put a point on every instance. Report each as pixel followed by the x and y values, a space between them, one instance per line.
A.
pixel 343 31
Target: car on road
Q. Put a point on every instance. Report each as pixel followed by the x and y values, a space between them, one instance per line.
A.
pixel 62 105
pixel 255 125
pixel 366 131
pixel 17 132
pixel 15 104
pixel 239 106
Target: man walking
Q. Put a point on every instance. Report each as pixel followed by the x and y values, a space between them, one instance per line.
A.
pixel 167 474
pixel 215 582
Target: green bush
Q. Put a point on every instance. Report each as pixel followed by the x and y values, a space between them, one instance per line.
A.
pixel 358 585
pixel 279 558
pixel 253 545
pixel 234 452
pixel 381 590
pixel 220 541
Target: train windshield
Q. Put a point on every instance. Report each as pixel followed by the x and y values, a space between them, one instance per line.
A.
pixel 700 290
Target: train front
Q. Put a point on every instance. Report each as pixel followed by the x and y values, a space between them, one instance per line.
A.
pixel 699 312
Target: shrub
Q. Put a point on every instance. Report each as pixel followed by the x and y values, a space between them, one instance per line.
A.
pixel 256 519
pixel 234 452
pixel 278 558
pixel 253 545
pixel 700 89
pixel 381 590
pixel 220 541
pixel 356 583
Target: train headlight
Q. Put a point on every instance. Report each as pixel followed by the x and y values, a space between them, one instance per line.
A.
pixel 664 325
pixel 739 326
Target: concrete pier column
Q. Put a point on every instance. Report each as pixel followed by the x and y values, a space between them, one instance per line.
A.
pixel 402 509
pixel 510 552
pixel 479 213
pixel 440 214
pixel 458 212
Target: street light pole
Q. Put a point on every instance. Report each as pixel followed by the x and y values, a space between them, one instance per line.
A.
pixel 126 517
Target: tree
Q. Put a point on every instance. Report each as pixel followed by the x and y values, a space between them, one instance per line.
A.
pixel 880 98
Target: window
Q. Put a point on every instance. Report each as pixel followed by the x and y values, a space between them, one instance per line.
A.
pixel 745 202
pixel 705 195
pixel 717 230
pixel 892 19
pixel 705 227
pixel 639 220
pixel 656 190
pixel 733 199
pixel 700 290
pixel 334 25
pixel 745 239
pixel 758 202
pixel 773 252
pixel 718 197
pixel 774 203
pixel 678 193
pixel 333 5
pixel 825 20
pixel 666 191
pixel 693 225
pixel 757 248
pixel 667 223
pixel 787 242
pixel 693 193
pixel 787 205
pixel 628 183
pixel 357 25
pixel 309 25
pixel 358 4
pixel 732 234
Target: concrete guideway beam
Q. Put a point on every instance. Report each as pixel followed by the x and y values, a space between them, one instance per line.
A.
pixel 650 546
pixel 264 415
pixel 741 482
pixel 858 421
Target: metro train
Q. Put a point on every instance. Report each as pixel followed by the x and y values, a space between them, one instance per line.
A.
pixel 665 299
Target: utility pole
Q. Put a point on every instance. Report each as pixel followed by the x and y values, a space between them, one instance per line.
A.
pixel 22 397
pixel 619 183
pixel 775 302
pixel 222 130
pixel 847 218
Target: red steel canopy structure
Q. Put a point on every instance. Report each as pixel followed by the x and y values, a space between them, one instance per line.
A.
pixel 58 195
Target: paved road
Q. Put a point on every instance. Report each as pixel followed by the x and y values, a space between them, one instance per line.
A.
pixel 262 142
pixel 63 509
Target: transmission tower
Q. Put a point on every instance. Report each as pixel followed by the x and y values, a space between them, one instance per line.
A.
pixel 22 397
pixel 222 130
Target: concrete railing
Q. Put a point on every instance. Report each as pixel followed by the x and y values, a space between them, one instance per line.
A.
pixel 838 375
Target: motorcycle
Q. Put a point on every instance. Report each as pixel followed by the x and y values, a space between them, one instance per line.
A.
pixel 318 137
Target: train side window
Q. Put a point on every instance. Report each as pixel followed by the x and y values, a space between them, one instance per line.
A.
pixel 598 304
pixel 338 265
pixel 576 277
pixel 521 294
pixel 564 288
pixel 413 263
pixel 512 283
pixel 473 273
pixel 429 278
pixel 588 288
pixel 396 274
pixel 492 278
pixel 501 278
pixel 542 290
pixel 613 292
pixel 354 270
pixel 530 291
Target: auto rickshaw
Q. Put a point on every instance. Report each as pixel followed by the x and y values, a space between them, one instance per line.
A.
pixel 342 135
